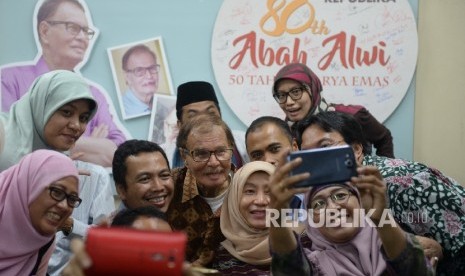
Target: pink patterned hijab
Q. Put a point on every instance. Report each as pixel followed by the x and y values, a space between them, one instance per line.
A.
pixel 359 256
pixel 20 185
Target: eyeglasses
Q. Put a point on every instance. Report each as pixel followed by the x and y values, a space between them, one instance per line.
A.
pixel 74 29
pixel 58 195
pixel 202 155
pixel 339 197
pixel 295 94
pixel 141 71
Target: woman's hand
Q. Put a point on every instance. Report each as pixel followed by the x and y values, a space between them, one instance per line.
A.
pixel 281 184
pixel 79 262
pixel 431 248
pixel 372 188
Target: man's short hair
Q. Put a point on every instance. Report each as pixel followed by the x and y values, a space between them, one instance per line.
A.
pixel 49 7
pixel 129 148
pixel 126 217
pixel 139 48
pixel 333 121
pixel 264 120
pixel 203 123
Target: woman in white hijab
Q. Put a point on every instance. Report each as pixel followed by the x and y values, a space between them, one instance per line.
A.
pixel 246 249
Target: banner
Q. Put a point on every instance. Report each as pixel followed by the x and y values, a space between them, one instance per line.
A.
pixel 364 51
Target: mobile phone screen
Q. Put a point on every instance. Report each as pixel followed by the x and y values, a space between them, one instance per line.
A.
pixel 325 165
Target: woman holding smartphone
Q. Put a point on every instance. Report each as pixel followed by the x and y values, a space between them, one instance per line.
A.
pixel 337 249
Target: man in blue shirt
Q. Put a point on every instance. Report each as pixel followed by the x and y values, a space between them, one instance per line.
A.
pixel 141 74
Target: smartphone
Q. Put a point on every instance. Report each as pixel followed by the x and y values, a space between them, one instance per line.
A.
pixel 127 251
pixel 325 165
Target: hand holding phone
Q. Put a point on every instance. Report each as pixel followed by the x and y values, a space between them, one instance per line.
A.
pixel 325 165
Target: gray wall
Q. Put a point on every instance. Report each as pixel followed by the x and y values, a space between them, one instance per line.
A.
pixel 439 133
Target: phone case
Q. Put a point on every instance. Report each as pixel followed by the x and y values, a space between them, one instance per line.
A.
pixel 126 251
pixel 325 165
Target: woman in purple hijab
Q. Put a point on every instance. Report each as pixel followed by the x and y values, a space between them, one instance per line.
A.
pixel 344 241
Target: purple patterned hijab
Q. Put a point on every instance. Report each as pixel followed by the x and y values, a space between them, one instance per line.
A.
pixel 359 256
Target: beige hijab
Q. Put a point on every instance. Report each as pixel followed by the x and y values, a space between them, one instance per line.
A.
pixel 242 241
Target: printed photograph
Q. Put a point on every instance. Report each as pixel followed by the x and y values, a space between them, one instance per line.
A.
pixel 163 123
pixel 140 71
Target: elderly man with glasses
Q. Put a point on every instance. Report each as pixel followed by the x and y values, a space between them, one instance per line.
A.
pixel 141 75
pixel 206 145
pixel 195 98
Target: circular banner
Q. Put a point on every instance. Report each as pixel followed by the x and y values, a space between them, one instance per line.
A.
pixel 364 51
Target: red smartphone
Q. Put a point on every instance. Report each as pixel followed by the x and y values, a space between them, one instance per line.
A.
pixel 127 251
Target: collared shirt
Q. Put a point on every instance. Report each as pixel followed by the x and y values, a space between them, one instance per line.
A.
pixel 16 81
pixel 133 106
pixel 189 212
pixel 97 203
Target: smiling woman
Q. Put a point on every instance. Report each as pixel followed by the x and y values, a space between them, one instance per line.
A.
pixel 339 245
pixel 52 115
pixel 246 248
pixel 36 199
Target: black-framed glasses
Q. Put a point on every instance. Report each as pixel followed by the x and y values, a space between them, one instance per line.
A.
pixel 141 71
pixel 74 29
pixel 58 195
pixel 339 197
pixel 203 155
pixel 295 94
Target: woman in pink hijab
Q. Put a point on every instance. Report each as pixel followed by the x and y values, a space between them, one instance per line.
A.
pixel 343 240
pixel 36 196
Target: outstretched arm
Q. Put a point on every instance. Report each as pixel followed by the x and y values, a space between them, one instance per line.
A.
pixel 282 239
pixel 287 255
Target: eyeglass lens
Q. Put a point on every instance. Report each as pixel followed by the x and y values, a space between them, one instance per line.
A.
pixel 58 195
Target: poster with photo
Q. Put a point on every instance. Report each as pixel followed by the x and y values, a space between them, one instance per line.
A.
pixel 140 71
pixel 364 53
pixel 163 123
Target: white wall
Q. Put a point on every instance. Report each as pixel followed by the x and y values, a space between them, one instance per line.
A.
pixel 439 132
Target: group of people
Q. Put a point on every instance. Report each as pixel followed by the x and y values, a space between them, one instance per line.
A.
pixel 217 196
pixel 57 133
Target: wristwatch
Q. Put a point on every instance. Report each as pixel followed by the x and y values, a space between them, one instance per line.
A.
pixel 67 227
